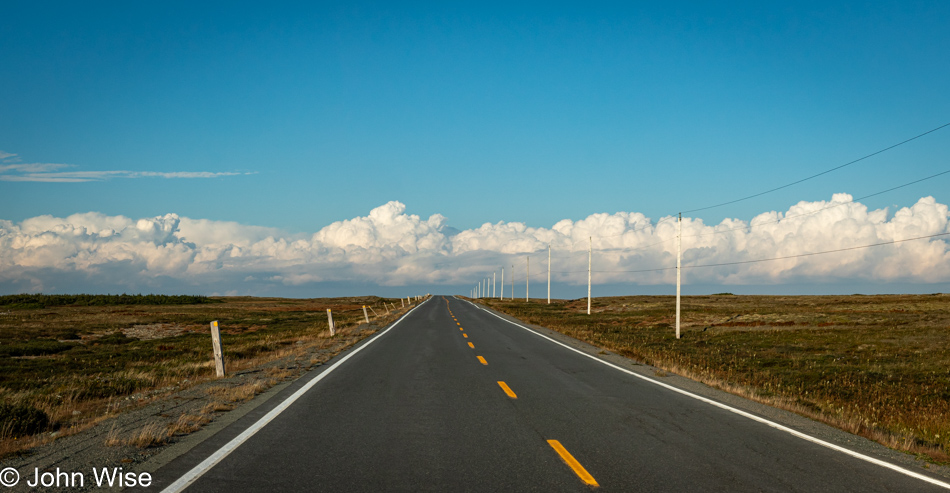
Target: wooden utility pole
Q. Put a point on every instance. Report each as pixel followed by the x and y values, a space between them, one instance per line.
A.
pixel 590 249
pixel 549 274
pixel 679 241
pixel 527 277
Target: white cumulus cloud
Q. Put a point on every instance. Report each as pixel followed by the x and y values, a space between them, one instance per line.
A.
pixel 388 247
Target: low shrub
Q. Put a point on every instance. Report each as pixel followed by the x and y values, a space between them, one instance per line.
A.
pixel 36 347
pixel 21 420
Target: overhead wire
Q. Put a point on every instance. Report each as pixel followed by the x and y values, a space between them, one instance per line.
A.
pixel 750 226
pixel 762 223
pixel 780 258
pixel 837 204
pixel 796 182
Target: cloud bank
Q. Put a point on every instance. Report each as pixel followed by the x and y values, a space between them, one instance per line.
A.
pixel 92 252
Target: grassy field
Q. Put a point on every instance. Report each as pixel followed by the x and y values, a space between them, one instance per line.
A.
pixel 66 364
pixel 878 366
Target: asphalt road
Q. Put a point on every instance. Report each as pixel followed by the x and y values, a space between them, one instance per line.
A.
pixel 420 408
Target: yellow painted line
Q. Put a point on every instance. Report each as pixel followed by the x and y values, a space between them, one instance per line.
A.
pixel 471 345
pixel 482 360
pixel 504 386
pixel 458 323
pixel 572 462
pixel 461 329
pixel 465 335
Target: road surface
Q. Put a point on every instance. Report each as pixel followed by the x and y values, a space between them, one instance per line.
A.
pixel 454 398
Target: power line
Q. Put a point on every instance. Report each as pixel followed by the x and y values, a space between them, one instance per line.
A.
pixel 819 174
pixel 822 253
pixel 750 226
pixel 778 258
pixel 568 256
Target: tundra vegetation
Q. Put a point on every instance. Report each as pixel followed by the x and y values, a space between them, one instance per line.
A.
pixel 877 366
pixel 67 362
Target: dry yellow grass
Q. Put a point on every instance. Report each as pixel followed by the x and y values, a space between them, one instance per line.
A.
pixel 95 370
pixel 188 423
pixel 150 435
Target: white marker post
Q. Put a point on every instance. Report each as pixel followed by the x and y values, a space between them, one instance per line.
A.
pixel 679 240
pixel 218 352
pixel 330 321
pixel 402 303
pixel 365 314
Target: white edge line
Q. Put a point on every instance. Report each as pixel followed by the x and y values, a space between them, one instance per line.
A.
pixel 740 412
pixel 196 472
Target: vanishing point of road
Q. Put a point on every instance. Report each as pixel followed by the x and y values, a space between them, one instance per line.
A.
pixel 454 397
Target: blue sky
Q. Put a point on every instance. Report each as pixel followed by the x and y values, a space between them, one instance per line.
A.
pixel 294 116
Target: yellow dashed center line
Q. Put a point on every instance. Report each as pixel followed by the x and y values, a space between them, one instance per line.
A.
pixel 482 360
pixel 504 386
pixel 461 328
pixel 572 462
pixel 458 323
pixel 471 345
pixel 465 335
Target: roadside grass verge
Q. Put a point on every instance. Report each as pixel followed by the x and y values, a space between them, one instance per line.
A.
pixel 876 366
pixel 65 368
